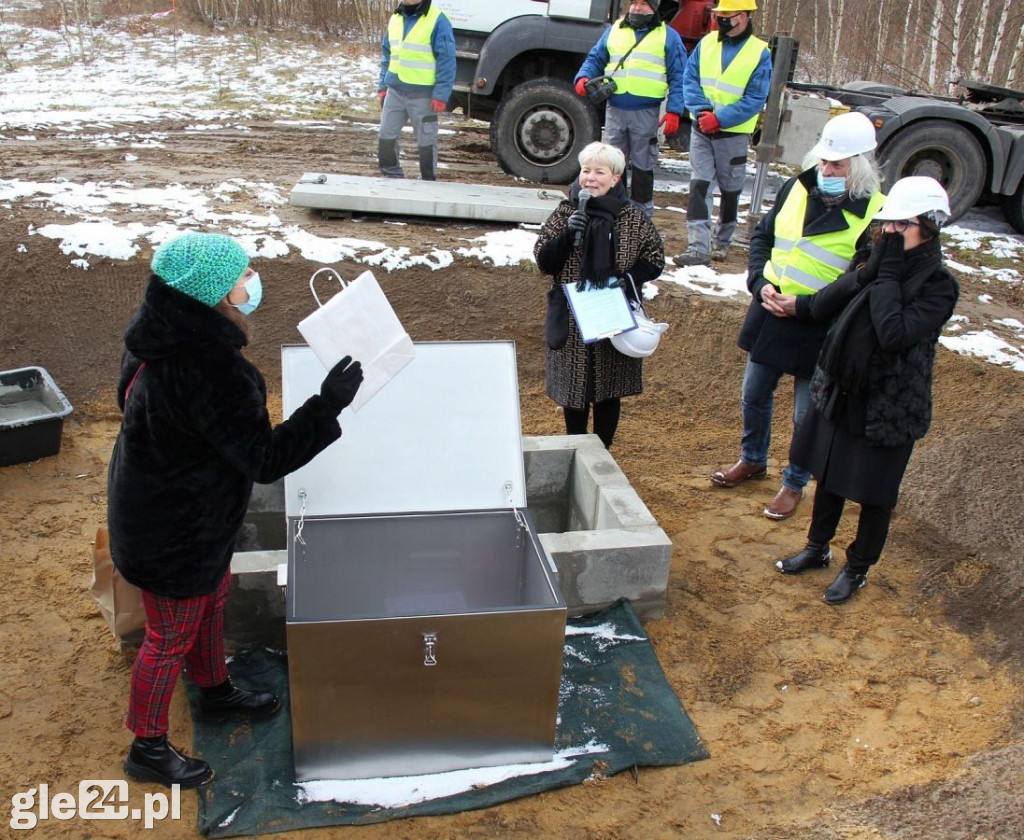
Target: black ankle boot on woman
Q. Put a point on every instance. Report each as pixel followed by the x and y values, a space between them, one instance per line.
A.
pixel 814 556
pixel 155 760
pixel 847 582
pixel 225 700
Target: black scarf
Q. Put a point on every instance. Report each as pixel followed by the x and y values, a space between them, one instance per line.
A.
pixel 601 240
pixel 851 340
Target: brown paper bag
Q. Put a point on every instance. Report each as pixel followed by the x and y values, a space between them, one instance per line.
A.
pixel 120 603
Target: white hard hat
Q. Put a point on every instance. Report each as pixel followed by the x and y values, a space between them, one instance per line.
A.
pixel 642 341
pixel 844 136
pixel 916 195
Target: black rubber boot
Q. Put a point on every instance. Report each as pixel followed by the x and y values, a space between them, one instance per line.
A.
pixel 428 167
pixel 813 556
pixel 387 158
pixel 155 760
pixel 846 583
pixel 227 700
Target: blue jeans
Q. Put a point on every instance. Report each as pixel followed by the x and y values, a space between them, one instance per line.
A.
pixel 757 401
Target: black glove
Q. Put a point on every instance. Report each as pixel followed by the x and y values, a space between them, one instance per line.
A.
pixel 889 247
pixel 341 383
pixel 577 222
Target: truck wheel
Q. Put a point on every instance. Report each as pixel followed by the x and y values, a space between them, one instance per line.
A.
pixel 540 128
pixel 1013 208
pixel 944 150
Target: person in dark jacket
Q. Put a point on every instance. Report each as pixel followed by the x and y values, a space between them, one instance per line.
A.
pixel 817 229
pixel 607 240
pixel 195 435
pixel 871 395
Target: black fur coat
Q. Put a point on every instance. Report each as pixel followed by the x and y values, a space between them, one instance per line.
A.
pixel 194 437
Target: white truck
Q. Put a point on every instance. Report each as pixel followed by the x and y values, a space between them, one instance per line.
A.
pixel 516 60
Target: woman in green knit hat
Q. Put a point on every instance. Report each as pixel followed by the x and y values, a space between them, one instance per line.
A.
pixel 195 435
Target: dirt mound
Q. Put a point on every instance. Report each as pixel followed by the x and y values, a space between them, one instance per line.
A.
pixel 831 723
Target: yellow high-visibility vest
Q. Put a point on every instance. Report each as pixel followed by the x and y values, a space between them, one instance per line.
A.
pixel 644 72
pixel 726 87
pixel 412 57
pixel 803 265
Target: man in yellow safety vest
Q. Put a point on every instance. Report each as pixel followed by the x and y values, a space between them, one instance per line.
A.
pixel 417 71
pixel 645 59
pixel 727 80
pixel 817 230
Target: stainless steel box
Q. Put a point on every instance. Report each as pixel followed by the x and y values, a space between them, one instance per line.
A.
pixel 424 622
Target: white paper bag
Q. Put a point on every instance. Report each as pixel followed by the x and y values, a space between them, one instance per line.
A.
pixel 358 322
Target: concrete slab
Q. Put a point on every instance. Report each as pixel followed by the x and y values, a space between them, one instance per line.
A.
pixel 441 199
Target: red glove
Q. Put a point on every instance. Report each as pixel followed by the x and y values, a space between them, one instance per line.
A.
pixel 380 96
pixel 671 123
pixel 438 105
pixel 708 122
pixel 581 86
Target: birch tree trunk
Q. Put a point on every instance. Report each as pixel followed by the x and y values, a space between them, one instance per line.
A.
pixel 933 48
pixel 954 48
pixel 1013 73
pixel 979 39
pixel 1000 31
pixel 837 34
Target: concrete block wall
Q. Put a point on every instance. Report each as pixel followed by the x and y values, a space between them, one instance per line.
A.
pixel 599 533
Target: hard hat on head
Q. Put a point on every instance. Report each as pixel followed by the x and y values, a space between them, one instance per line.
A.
pixel 844 136
pixel 734 6
pixel 916 195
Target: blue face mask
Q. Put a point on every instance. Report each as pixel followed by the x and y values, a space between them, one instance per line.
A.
pixel 831 185
pixel 254 288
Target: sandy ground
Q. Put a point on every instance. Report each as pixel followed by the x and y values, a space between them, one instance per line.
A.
pixel 898 715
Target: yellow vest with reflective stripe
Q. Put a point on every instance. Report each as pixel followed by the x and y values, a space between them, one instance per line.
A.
pixel 803 265
pixel 644 73
pixel 412 57
pixel 725 87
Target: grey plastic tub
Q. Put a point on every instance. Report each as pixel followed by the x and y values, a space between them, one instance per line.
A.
pixel 32 412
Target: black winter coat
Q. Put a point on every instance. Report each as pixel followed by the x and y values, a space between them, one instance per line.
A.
pixel 194 437
pixel 783 343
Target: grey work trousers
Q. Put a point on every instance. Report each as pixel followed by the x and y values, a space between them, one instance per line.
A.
pixel 398 108
pixel 722 159
pixel 635 134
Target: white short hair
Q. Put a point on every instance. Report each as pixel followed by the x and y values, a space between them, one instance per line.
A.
pixel 604 155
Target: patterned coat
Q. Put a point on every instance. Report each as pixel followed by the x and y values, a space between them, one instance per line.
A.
pixel 579 373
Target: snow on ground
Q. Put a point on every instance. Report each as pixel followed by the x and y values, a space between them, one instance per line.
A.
pixel 82 85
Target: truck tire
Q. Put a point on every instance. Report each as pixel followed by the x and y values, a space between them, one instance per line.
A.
pixel 942 149
pixel 539 129
pixel 1013 208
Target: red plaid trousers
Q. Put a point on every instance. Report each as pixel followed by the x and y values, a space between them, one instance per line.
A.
pixel 179 631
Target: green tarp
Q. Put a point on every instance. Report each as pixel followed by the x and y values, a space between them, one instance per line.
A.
pixel 616 711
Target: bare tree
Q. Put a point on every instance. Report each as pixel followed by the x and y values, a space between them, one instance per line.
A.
pixel 979 39
pixel 1000 31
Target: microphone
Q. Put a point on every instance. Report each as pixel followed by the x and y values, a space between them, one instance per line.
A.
pixel 583 199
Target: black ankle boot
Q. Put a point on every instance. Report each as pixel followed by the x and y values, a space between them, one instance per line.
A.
pixel 846 583
pixel 221 701
pixel 813 556
pixel 155 760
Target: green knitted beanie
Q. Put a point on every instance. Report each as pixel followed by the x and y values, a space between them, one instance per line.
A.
pixel 203 266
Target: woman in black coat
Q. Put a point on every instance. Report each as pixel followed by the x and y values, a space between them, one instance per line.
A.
pixel 194 437
pixel 871 390
pixel 604 238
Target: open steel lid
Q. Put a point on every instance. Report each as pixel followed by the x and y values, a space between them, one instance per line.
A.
pixel 443 435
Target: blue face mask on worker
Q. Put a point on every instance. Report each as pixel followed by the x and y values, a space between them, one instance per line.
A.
pixel 637 21
pixel 254 287
pixel 831 184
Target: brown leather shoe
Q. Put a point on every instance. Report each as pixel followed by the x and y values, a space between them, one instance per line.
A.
pixel 737 474
pixel 784 504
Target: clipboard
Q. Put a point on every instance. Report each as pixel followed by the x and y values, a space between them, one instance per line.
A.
pixel 600 313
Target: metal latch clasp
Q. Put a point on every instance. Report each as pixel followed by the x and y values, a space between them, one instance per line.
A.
pixel 429 649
